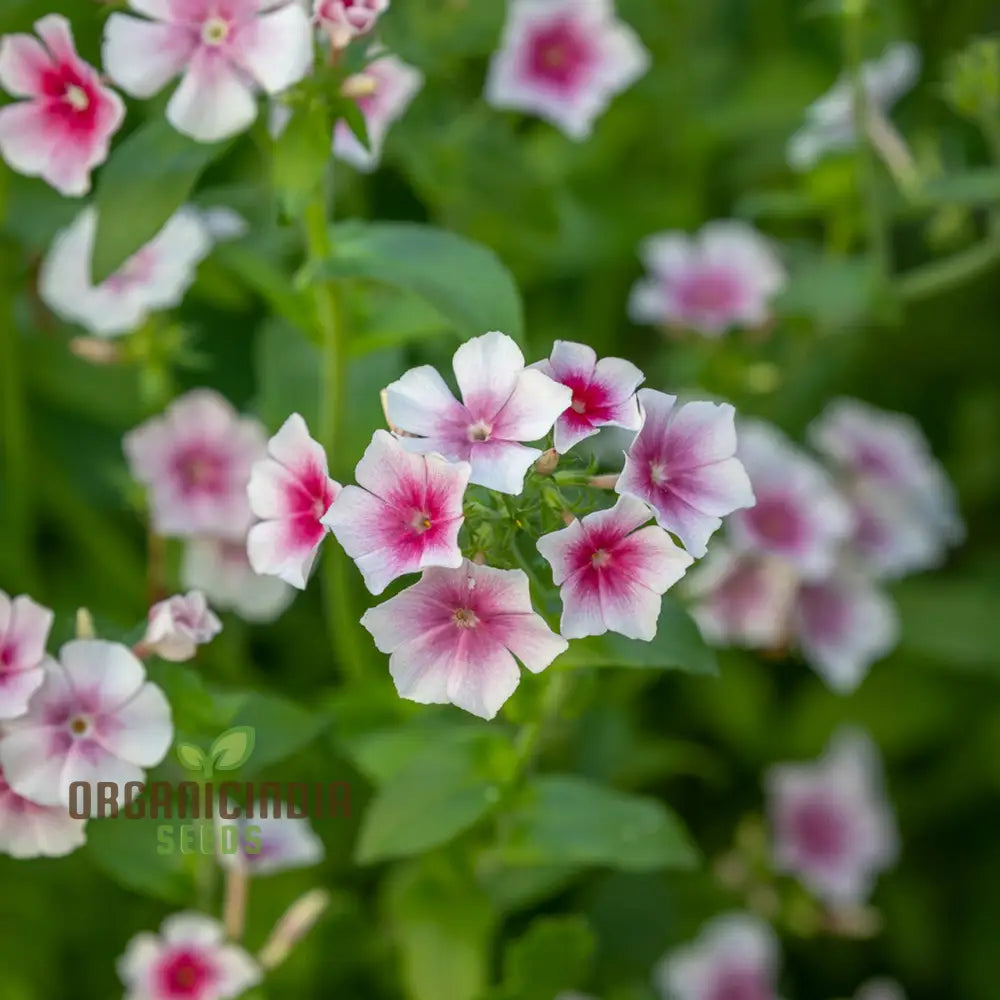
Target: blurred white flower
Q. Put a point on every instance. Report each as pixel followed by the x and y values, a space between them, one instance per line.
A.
pixel 178 625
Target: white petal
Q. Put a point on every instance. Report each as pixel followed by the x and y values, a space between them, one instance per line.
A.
pixel 142 57
pixel 146 730
pixel 276 48
pixel 212 102
pixel 108 669
pixel 487 370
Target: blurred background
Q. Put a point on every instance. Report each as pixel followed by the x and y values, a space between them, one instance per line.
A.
pixel 701 136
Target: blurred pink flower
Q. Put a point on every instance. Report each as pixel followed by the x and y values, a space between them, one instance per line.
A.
pixel 196 461
pixel 564 60
pixel 154 278
pixel 64 127
pixel 188 959
pixel 503 404
pixel 225 51
pixel 345 20
pixel 725 276
pixel 178 625
pixel 452 637
pixel 799 514
pixel 735 957
pixel 28 830
pixel 391 86
pixel 24 630
pixel 603 392
pixel 289 491
pixel 283 843
pixel 612 571
pixel 830 821
pixel 404 516
pixel 683 464
pixel 95 718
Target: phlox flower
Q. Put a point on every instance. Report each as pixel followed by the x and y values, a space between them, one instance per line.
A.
pixel 612 571
pixel 221 569
pixel 63 128
pixel 799 515
pixel 391 85
pixel 95 718
pixel 405 514
pixel 227 50
pixel 725 276
pixel 24 630
pixel 29 830
pixel 154 278
pixel 564 60
pixel 683 464
pixel 830 124
pixel 735 957
pixel 831 824
pixel 188 960
pixel 289 491
pixel 603 392
pixel 345 20
pixel 178 625
pixel 452 637
pixel 282 843
pixel 503 404
pixel 196 460
pixel 880 989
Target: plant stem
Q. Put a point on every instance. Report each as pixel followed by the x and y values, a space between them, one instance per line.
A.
pixel 944 275
pixel 529 739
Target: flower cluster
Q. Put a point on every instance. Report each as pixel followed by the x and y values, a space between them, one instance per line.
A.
pixel 803 566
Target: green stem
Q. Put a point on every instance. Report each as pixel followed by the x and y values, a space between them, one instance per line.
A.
pixel 529 738
pixel 341 622
pixel 990 126
pixel 943 275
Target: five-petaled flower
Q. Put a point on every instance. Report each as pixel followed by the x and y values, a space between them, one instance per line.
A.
pixel 189 959
pixel 452 637
pixel 24 630
pixel 683 464
pixel 30 830
pixel 404 516
pixel 289 491
pixel 345 20
pixel 95 718
pixel 63 128
pixel 178 625
pixel 725 276
pixel 603 392
pixel 226 49
pixel 196 460
pixel 564 60
pixel 503 404
pixel 831 823
pixel 612 571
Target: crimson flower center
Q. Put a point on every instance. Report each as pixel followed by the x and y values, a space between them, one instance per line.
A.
pixel 421 521
pixel 820 831
pixel 710 290
pixel 600 558
pixel 76 97
pixel 185 974
pixel 464 618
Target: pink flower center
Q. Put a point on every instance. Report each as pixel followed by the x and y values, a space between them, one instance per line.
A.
pixel 185 974
pixel 740 984
pixel 72 98
pixel 76 97
pixel 819 831
pixel 215 31
pixel 657 473
pixel 600 558
pixel 200 470
pixel 79 725
pixel 421 521
pixel 713 290
pixel 480 431
pixel 465 618
pixel 8 653
pixel 560 55
pixel 777 522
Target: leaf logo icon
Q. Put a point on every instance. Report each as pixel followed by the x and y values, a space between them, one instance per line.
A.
pixel 228 752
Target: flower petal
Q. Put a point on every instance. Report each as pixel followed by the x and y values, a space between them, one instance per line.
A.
pixel 213 102
pixel 276 48
pixel 487 370
pixel 106 671
pixel 142 57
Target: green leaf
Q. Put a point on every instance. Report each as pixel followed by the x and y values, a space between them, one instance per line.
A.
pixel 554 955
pixel 464 281
pixel 565 819
pixel 233 748
pixel 440 794
pixel 148 177
pixel 302 155
pixel 973 187
pixel 834 292
pixel 192 757
pixel 442 923
pixel 678 644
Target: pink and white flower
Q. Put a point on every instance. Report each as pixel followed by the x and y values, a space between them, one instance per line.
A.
pixel 880 989
pixel 603 392
pixel 736 957
pixel 564 60
pixel 831 823
pixel 452 637
pixel 189 959
pixel 289 491
pixel 683 464
pixel 227 51
pixel 95 718
pixel 799 514
pixel 345 20
pixel 221 569
pixel 154 278
pixel 388 87
pixel 725 276
pixel 196 460
pixel 63 128
pixel 612 571
pixel 28 830
pixel 503 404
pixel 404 516
pixel 179 625
pixel 24 630
pixel 844 623
pixel 282 844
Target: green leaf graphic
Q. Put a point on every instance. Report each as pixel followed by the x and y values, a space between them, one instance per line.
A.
pixel 192 757
pixel 233 748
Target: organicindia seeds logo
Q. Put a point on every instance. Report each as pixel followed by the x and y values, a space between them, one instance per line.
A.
pixel 221 813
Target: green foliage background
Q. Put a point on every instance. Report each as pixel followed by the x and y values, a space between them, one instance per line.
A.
pixel 554 893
